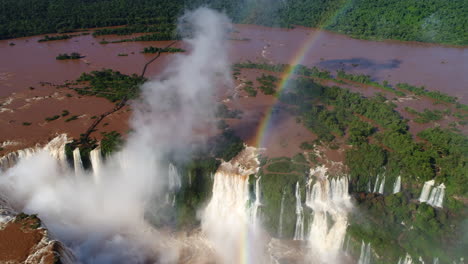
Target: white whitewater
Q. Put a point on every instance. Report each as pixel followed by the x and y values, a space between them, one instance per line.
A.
pixel 397 185
pixel 431 195
pixel 426 190
pixel 437 196
pixel 365 256
pixel 96 163
pixel 226 221
pixel 280 227
pixel 406 260
pixel 299 229
pixel 56 148
pixel 376 185
pixel 77 162
pixel 382 185
pixel 257 202
pixel 174 181
pixel 330 202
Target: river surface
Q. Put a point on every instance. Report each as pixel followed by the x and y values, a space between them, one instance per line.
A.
pixel 437 67
pixel 27 63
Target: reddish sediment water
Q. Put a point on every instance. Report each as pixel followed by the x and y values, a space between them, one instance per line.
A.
pixel 29 62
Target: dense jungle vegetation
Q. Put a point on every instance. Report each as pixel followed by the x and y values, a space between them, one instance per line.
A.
pixel 437 21
pixel 109 84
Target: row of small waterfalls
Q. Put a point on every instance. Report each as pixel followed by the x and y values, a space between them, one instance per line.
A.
pixel 231 221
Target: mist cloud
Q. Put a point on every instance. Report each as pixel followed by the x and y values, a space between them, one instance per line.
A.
pixel 104 222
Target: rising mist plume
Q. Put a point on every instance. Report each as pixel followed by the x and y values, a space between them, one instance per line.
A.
pixel 104 222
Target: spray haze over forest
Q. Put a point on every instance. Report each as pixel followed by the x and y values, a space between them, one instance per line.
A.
pixel 235 147
pixel 104 221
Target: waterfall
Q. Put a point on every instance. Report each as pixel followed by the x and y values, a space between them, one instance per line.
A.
pixel 96 163
pixel 299 230
pixel 437 196
pixel 226 221
pixel 56 148
pixel 174 182
pixel 426 191
pixel 369 190
pixel 280 228
pixel 346 248
pixel 382 185
pixel 376 185
pixel 12 158
pixel 327 198
pixel 190 177
pixel 431 195
pixel 365 256
pixel 77 163
pixel 257 202
pixel 397 185
pixel 406 260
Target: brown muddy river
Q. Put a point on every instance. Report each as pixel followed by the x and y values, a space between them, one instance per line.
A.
pixel 28 62
pixel 437 67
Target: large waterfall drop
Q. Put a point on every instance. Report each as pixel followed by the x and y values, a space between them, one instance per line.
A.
pixel 327 198
pixel 299 230
pixel 96 162
pixel 397 185
pixel 226 221
pixel 365 256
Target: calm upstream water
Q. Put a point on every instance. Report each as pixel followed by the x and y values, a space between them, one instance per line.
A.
pixel 437 67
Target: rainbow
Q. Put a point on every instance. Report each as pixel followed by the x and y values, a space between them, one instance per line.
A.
pixel 266 122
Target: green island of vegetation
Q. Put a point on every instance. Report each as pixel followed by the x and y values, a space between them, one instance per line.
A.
pixel 149 37
pixel 109 84
pixel 72 56
pixel 152 49
pixel 58 37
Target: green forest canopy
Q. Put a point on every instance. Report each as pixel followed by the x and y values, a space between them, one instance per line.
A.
pixel 438 21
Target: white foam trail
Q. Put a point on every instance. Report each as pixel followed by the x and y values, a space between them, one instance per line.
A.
pixel 96 163
pixel 397 185
pixel 299 229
